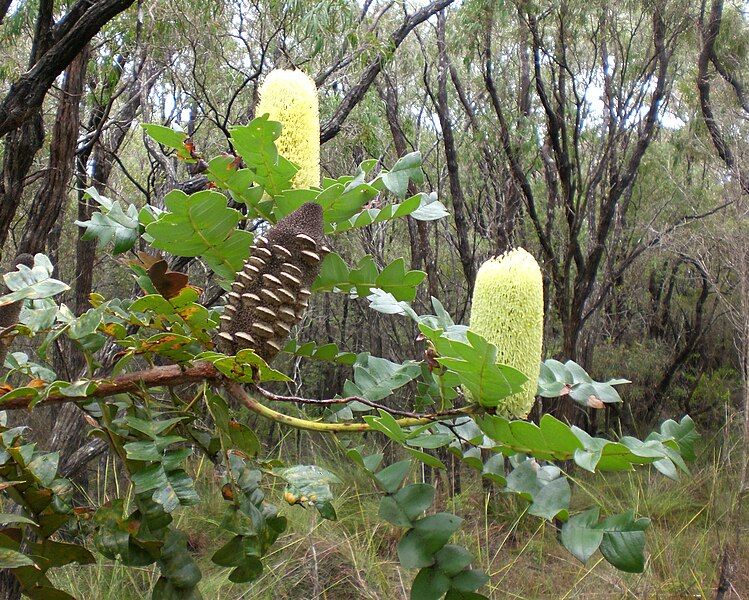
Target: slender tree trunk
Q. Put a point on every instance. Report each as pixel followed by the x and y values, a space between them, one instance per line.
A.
pixel 418 230
pixel 451 156
pixel 51 198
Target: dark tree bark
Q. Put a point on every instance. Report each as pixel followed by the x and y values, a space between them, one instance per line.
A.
pixel 68 431
pixel 24 142
pixel 51 197
pixel 20 149
pixel 4 6
pixel 694 331
pixel 54 47
pixel 457 197
pixel 64 41
pixel 421 249
pixel 709 34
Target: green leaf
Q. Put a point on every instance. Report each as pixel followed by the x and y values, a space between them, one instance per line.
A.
pixel 435 530
pixel 111 223
pixel 59 554
pixel 427 459
pixel 165 136
pixel 386 424
pixel 368 216
pixel 44 468
pixel 453 559
pixel 408 168
pixel 429 584
pixel 412 553
pixel 10 559
pixel 225 173
pixel 165 590
pixel 393 279
pixel 369 462
pixel 33 283
pixel 469 580
pixel 202 225
pixel 246 366
pixel 580 536
pixel 431 440
pixel 313 483
pixel 7 518
pixel 254 142
pixel 493 469
pixel 620 538
pixel 414 499
pixel 38 315
pixel 557 379
pixel 194 224
pixel 230 554
pixel 386 303
pixel 250 569
pixel 392 476
pixel 454 594
pixel 149 478
pixel 623 543
pixel 682 434
pixel 176 563
pixel 475 363
pixel 41 592
pixel 243 438
pixel 152 429
pixel 390 511
pixel 543 486
pixel 376 378
pixel 418 547
pixel 552 500
pixel 327 352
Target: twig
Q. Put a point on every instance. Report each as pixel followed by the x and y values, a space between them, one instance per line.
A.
pixel 236 390
pixel 332 401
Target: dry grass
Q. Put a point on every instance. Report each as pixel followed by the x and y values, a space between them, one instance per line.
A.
pixel 355 557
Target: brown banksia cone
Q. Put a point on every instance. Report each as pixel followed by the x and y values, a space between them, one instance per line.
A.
pixel 272 290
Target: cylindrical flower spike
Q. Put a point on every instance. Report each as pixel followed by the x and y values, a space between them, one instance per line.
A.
pixel 290 97
pixel 507 310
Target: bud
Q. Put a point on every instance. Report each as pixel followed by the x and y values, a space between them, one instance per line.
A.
pixel 507 309
pixel 290 97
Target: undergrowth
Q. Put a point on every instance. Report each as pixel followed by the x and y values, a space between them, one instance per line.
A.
pixel 354 558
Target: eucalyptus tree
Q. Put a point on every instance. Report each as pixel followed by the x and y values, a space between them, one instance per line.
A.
pixel 58 38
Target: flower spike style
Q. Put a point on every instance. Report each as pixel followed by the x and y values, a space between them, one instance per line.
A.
pixel 290 98
pixel 507 310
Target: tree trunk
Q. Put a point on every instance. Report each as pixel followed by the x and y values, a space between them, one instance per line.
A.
pixel 51 198
pixel 453 174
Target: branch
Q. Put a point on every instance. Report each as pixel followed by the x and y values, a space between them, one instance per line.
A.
pixel 236 390
pixel 708 34
pixel 166 376
pixel 456 412
pixel 4 6
pixel 642 247
pixel 513 159
pixel 27 93
pixel 356 93
pixel 172 375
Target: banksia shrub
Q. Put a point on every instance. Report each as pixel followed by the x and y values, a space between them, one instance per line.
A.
pixel 271 291
pixel 290 97
pixel 507 310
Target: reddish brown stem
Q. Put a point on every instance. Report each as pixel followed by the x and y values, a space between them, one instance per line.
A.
pixel 166 376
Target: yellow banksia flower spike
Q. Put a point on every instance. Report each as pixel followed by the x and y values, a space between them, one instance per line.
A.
pixel 507 309
pixel 290 98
